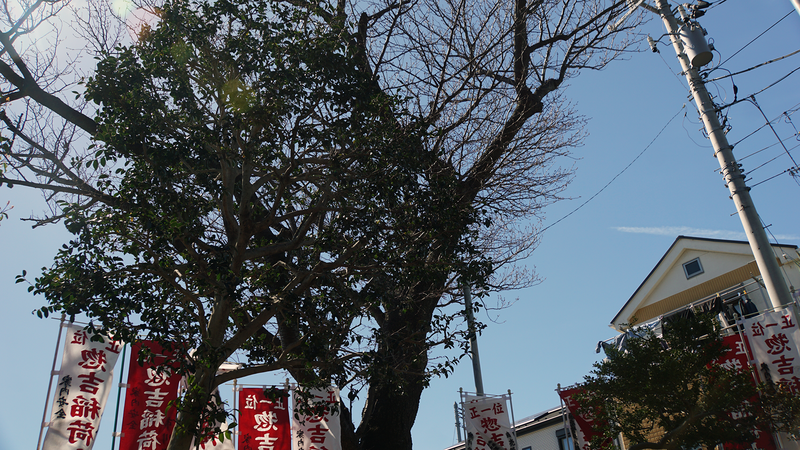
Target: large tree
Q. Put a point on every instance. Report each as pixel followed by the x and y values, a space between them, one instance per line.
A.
pixel 301 185
pixel 671 392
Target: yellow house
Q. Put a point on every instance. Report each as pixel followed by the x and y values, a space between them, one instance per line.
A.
pixel 697 271
pixel 702 274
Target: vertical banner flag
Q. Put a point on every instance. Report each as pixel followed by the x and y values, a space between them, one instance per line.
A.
pixel 486 419
pixel 84 382
pixel 584 434
pixel 774 338
pixel 735 358
pixel 317 432
pixel 147 420
pixel 263 422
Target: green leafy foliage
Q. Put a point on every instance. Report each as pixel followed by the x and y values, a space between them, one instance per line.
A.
pixel 254 181
pixel 669 392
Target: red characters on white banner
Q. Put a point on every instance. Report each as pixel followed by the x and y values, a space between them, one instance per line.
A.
pixel 84 382
pixel 774 338
pixel 147 421
pixel 317 432
pixel 264 422
pixel 486 419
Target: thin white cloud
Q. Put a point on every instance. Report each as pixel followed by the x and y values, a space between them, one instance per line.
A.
pixel 700 232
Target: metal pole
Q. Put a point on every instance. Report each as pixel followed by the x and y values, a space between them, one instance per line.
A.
pixel 119 394
pixel 734 178
pixel 458 422
pixel 473 341
pixel 53 372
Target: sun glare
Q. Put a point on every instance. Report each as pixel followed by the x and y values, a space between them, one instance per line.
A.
pixel 139 20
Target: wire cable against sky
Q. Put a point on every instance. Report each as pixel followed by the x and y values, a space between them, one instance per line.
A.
pixel 716 169
pixel 791 170
pixel 754 39
pixel 720 108
pixel 786 113
pixel 766 162
pixel 754 102
pixel 617 175
pixel 754 67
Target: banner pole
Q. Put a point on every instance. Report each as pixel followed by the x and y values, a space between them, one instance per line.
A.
pixel 513 419
pixel 119 394
pixel 50 385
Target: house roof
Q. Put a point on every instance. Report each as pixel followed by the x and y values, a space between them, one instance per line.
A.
pixel 659 292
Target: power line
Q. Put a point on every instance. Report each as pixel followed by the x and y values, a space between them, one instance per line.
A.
pixel 617 175
pixel 786 113
pixel 754 102
pixel 755 38
pixel 754 67
pixel 770 160
pixel 720 108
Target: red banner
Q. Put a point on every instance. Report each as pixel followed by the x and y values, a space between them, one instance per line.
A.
pixel 147 421
pixel 736 359
pixel 264 422
pixel 584 434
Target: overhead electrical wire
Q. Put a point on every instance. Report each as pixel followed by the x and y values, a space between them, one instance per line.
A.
pixel 792 170
pixel 786 113
pixel 754 102
pixel 618 174
pixel 719 108
pixel 716 169
pixel 768 161
pixel 755 38
pixel 754 67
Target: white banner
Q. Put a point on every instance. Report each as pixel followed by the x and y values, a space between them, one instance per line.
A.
pixel 318 432
pixel 774 338
pixel 84 382
pixel 486 420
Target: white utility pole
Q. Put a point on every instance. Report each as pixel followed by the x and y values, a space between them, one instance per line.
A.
pixel 473 340
pixel 734 178
pixel 796 4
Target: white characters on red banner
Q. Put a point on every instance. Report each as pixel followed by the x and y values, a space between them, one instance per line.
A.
pixel 83 387
pixel 147 419
pixel 264 421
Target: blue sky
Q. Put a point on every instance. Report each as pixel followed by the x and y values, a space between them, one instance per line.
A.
pixel 590 263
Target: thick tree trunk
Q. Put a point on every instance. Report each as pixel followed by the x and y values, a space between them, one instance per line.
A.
pixel 394 394
pixel 393 411
pixel 197 397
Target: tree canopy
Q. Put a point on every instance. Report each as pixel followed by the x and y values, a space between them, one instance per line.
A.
pixel 671 392
pixel 301 186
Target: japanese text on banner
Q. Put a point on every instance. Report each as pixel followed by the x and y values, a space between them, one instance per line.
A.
pixel 317 432
pixel 147 421
pixel 735 358
pixel 487 420
pixel 264 422
pixel 83 386
pixel 583 434
pixel 774 338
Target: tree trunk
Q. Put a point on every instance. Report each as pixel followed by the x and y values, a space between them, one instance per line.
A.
pixel 189 416
pixel 394 393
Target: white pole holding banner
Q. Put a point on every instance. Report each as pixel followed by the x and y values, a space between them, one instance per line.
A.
pixel 53 372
